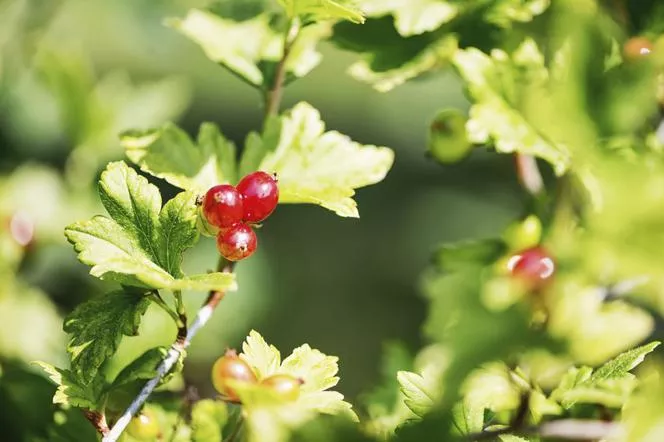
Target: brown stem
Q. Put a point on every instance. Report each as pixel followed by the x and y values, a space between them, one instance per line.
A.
pixel 274 94
pixel 98 420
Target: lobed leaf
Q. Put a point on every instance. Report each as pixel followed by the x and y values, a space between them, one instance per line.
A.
pixel 323 10
pixel 412 17
pixel 169 153
pixel 495 117
pixel 71 390
pixel 622 364
pixel 321 167
pixel 420 393
pixel 316 369
pixel 142 368
pixel 250 48
pixel 263 358
pixel 141 244
pixel 97 327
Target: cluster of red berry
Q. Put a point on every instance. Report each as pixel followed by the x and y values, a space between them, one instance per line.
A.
pixel 234 209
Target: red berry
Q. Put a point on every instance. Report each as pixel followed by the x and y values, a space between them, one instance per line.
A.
pixel 533 265
pixel 285 386
pixel 231 367
pixel 222 206
pixel 237 242
pixel 260 195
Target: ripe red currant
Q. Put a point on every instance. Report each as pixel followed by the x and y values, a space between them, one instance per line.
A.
pixel 237 242
pixel 260 195
pixel 533 266
pixel 231 367
pixel 285 386
pixel 222 206
pixel 637 47
pixel 144 426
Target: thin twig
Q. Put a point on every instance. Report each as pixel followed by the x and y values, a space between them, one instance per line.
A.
pixel 274 94
pixel 567 429
pixel 98 420
pixel 172 357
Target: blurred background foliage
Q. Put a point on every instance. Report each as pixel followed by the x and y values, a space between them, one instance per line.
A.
pixel 75 73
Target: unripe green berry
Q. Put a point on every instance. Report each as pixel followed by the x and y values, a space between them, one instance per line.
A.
pixel 523 234
pixel 447 141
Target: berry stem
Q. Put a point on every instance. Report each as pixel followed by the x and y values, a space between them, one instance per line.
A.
pixel 172 357
pixel 275 93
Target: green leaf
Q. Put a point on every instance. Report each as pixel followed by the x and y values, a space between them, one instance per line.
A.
pixel 141 245
pixel 97 327
pixel 460 319
pixel 413 17
pixel 489 388
pixel 496 92
pixel 208 418
pixel 169 153
pixel 321 167
pixel 610 385
pixel 504 12
pixel 142 368
pixel 595 330
pixel 623 363
pixel 389 59
pixel 315 368
pixel 71 391
pixel 323 10
pixel 433 56
pixel 250 48
pixel 420 392
pixel 263 358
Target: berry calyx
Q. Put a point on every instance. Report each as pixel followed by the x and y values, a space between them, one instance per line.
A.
pixel 144 426
pixel 637 48
pixel 260 195
pixel 237 242
pixel 222 206
pixel 534 266
pixel 285 386
pixel 230 367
